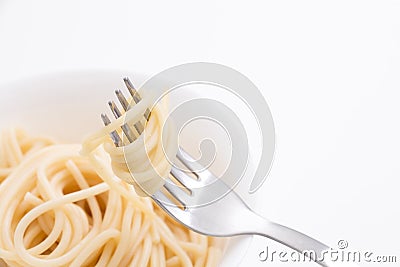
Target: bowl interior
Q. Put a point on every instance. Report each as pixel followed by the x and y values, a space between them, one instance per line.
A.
pixel 67 106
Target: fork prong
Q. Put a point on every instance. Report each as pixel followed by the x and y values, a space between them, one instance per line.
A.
pixel 114 109
pixel 125 127
pixel 131 136
pixel 131 88
pixel 189 161
pixel 139 127
pixel 105 119
pixel 135 95
pixel 166 204
pixel 122 99
pixel 128 133
pixel 136 98
pixel 114 135
pixel 195 167
pixel 183 178
pixel 177 192
pixel 125 105
pixel 147 114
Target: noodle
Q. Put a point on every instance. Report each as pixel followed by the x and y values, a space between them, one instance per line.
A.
pixel 143 163
pixel 57 211
pixel 15 145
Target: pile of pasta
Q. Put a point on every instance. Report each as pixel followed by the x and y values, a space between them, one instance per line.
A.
pixel 15 144
pixel 57 211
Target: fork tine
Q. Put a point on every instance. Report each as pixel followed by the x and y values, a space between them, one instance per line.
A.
pixel 147 114
pixel 139 127
pixel 131 136
pixel 203 174
pixel 189 161
pixel 183 178
pixel 166 204
pixel 177 192
pixel 125 127
pixel 132 90
pixel 125 105
pixel 135 95
pixel 114 109
pixel 122 100
pixel 114 135
pixel 162 197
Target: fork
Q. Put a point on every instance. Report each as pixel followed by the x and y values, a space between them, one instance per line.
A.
pixel 224 217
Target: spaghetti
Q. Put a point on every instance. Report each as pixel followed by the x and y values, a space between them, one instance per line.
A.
pixel 15 145
pixel 145 162
pixel 57 211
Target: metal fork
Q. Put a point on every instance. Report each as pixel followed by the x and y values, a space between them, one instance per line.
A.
pixel 224 217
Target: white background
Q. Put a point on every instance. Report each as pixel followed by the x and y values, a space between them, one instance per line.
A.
pixel 330 72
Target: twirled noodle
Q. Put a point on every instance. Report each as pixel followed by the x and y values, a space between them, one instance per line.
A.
pixel 144 163
pixel 57 211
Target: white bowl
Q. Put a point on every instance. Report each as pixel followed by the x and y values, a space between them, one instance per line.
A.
pixel 67 106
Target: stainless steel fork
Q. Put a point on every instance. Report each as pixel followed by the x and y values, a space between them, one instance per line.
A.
pixel 226 216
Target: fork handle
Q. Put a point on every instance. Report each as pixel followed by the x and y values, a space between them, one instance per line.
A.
pixel 297 241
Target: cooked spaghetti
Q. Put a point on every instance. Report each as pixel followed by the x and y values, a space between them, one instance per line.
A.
pixel 15 145
pixel 57 211
pixel 144 163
